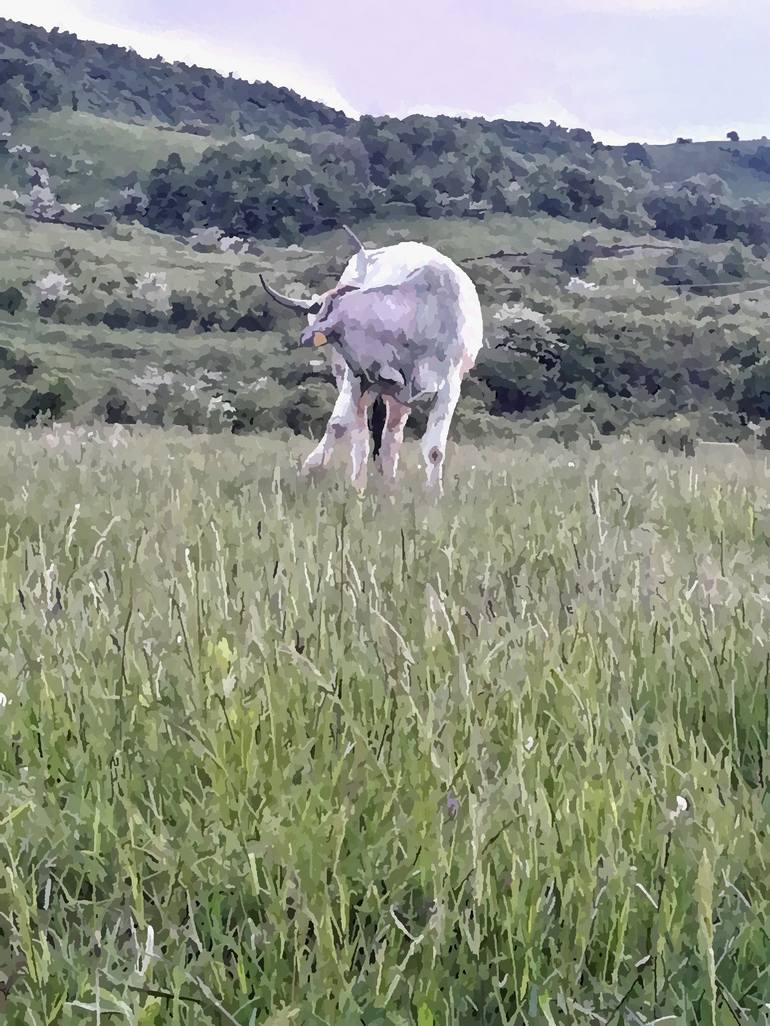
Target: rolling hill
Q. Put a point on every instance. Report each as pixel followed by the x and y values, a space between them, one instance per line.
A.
pixel 141 199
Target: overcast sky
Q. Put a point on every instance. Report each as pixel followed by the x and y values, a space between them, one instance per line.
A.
pixel 626 69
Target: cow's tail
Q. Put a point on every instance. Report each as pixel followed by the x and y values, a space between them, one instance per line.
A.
pixel 378 415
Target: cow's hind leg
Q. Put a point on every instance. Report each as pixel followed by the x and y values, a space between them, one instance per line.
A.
pixel 377 421
pixel 360 440
pixel 433 444
pixel 392 436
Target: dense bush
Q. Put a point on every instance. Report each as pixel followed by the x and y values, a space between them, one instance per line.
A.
pixel 37 406
pixel 11 300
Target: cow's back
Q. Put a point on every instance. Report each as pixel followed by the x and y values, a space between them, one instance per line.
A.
pixel 451 303
pixel 436 328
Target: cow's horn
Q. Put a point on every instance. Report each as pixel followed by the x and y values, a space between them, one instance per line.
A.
pixel 354 237
pixel 303 305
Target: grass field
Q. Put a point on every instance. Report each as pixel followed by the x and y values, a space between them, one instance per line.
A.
pixel 122 147
pixel 110 147
pixel 280 753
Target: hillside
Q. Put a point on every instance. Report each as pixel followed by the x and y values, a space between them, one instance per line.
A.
pixel 57 70
pixel 744 166
pixel 139 201
pixel 196 148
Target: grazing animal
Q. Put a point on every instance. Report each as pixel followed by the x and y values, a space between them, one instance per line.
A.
pixel 402 323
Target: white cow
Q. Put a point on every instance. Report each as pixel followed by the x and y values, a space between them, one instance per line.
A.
pixel 403 322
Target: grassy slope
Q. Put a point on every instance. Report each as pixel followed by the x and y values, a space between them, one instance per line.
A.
pixel 113 148
pixel 677 162
pixel 115 145
pixel 93 359
pixel 261 760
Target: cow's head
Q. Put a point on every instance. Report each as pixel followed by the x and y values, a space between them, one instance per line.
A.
pixel 319 310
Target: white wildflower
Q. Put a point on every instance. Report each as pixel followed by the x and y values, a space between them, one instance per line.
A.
pixel 220 407
pixel 153 377
pixel 38 175
pixel 518 313
pixel 148 955
pixel 205 238
pixel 681 807
pixel 133 196
pixel 578 285
pixel 53 286
pixel 152 287
pixel 231 243
pixel 40 201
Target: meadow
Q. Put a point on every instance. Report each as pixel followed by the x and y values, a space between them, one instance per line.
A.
pixel 277 752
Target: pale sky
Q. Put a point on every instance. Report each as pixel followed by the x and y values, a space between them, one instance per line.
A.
pixel 625 69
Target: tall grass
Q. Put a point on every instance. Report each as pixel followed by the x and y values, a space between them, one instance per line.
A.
pixel 275 752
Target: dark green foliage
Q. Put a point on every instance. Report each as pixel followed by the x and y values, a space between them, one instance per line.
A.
pixel 579 254
pixel 117 408
pixel 11 300
pixel 17 365
pixel 754 397
pixel 432 167
pixel 759 160
pixel 635 151
pixel 44 405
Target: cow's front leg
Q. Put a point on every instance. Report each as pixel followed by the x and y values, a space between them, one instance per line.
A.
pixel 433 444
pixel 340 428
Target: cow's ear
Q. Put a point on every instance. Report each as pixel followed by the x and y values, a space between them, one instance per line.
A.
pixel 328 312
pixel 341 290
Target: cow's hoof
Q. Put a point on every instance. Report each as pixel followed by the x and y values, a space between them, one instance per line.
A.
pixel 310 470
